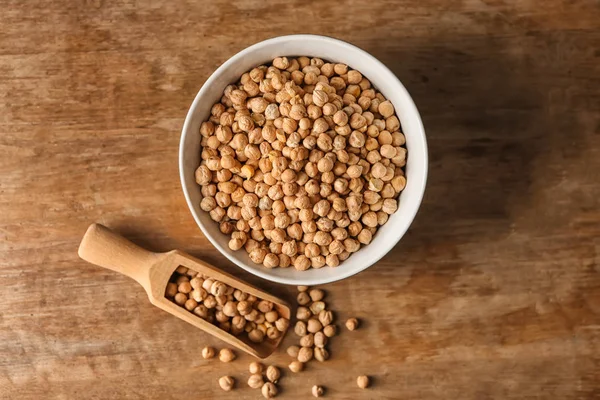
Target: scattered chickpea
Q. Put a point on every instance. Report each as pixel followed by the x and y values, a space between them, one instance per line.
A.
pixel 293 351
pixel 307 340
pixel 269 390
pixel 296 366
pixel 303 298
pixel 321 354
pixel 273 374
pixel 316 307
pixel 313 325
pixel 226 355
pixel 208 353
pixel 320 340
pixel 330 330
pixel 300 328
pixel 363 381
pixel 255 367
pixel 226 383
pixel 305 354
pixel 317 391
pixel 352 324
pixel 325 317
pixel 255 381
pixel 316 294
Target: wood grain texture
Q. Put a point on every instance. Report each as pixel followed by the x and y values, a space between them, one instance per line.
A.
pixel 493 293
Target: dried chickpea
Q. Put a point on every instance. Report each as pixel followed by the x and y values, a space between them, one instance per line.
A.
pixel 317 391
pixel 190 304
pixel 303 313
pixel 255 381
pixel 184 287
pixel 365 236
pixel 305 354
pixel 238 324
pixel 387 151
pixel 226 383
pixel 313 325
pixel 370 219
pixel 320 340
pixel 226 355
pixel 317 262
pixel 352 324
pixel 354 77
pixel 282 324
pixel 340 69
pixel 330 330
pixel 325 317
pixel 208 353
pixel 321 354
pixel 351 245
pixel 218 288
pixel 303 298
pixel 271 261
pixel 296 366
pixel 269 390
pixel 171 290
pixel 264 306
pixel 284 261
pixel 273 374
pixel 316 294
pixel 300 328
pixel 281 62
pixel 230 309
pixel 362 381
pixel 332 260
pixel 210 302
pixel 252 315
pixel 293 351
pixel 302 263
pixel 258 255
pixel 389 206
pixel 307 340
pixel 256 335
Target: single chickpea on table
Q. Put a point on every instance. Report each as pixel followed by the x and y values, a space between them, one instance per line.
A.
pixel 256 381
pixel 301 162
pixel 363 381
pixel 226 383
pixel 317 391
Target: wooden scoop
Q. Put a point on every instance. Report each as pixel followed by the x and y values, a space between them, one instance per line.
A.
pixel 105 248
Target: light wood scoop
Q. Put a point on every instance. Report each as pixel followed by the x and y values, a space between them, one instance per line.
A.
pixel 103 247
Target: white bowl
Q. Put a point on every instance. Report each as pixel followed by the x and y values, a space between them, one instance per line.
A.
pixel 335 51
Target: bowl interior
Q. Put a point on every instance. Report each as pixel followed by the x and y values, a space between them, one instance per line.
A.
pixel 334 51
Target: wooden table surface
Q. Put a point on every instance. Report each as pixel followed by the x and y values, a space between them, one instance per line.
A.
pixel 493 293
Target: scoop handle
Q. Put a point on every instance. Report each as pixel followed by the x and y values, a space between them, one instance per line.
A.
pixel 103 247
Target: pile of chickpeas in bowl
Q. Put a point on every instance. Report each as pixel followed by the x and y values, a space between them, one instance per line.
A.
pixel 301 162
